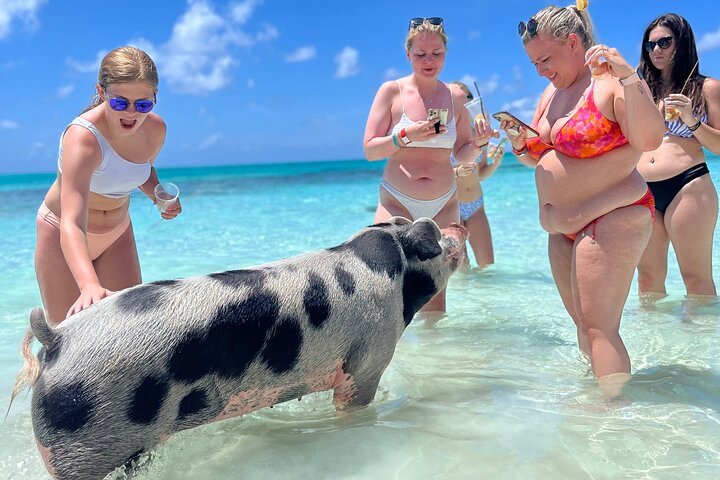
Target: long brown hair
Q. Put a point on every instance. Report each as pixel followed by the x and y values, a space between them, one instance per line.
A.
pixel 684 66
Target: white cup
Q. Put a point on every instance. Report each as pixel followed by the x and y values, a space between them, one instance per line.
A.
pixel 166 194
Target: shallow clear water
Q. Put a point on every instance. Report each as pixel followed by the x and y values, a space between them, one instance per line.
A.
pixel 496 389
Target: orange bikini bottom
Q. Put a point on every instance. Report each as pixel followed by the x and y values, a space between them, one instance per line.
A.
pixel 647 200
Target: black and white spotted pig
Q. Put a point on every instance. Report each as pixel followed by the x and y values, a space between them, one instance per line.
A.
pixel 118 378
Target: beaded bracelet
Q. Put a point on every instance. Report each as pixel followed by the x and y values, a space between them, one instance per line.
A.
pixel 695 127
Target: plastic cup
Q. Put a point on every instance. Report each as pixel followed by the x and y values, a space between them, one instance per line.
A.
pixel 597 69
pixel 166 194
pixel 475 109
pixel 671 113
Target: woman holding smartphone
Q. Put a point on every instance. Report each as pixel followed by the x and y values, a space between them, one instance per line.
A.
pixel 686 202
pixel 594 204
pixel 470 195
pixel 418 180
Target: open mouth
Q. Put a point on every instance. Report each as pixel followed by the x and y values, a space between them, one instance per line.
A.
pixel 127 124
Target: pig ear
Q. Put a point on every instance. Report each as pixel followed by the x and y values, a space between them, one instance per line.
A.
pixel 399 221
pixel 422 240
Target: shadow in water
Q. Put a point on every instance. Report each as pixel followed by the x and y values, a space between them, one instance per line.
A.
pixel 675 384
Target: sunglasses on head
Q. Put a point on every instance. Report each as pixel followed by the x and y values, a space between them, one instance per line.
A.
pixel 119 104
pixel 530 27
pixel 663 43
pixel 416 22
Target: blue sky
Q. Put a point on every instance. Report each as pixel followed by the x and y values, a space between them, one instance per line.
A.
pixel 260 81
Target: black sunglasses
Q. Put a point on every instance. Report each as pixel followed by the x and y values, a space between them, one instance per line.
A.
pixel 663 43
pixel 417 21
pixel 530 27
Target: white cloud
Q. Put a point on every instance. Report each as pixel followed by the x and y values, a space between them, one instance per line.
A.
pixel 473 34
pixel 241 12
pixel 8 124
pixel 38 151
pixel 198 56
pixel 302 54
pixel 87 67
pixel 392 73
pixel 210 141
pixel 251 83
pixel 486 88
pixel 65 90
pixel 523 108
pixel 709 41
pixel 24 10
pixel 347 61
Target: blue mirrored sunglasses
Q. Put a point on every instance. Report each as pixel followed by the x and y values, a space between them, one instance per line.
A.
pixel 119 104
pixel 530 27
pixel 417 21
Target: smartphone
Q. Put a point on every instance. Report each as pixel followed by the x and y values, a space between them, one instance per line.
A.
pixel 500 116
pixel 440 114
pixel 499 146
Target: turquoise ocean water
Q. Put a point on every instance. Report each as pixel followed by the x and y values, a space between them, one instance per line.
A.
pixel 495 390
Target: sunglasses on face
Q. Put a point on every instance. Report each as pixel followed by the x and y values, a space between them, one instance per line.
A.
pixel 663 43
pixel 119 104
pixel 416 22
pixel 530 27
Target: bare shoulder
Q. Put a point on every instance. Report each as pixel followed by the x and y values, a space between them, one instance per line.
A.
pixel 78 140
pixel 711 89
pixel 155 129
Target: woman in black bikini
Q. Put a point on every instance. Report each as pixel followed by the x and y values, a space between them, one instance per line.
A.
pixel 686 201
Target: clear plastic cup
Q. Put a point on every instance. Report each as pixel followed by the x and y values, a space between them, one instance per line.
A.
pixel 599 68
pixel 166 194
pixel 475 109
pixel 671 113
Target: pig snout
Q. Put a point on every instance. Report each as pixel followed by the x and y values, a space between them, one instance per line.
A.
pixel 456 232
pixel 457 235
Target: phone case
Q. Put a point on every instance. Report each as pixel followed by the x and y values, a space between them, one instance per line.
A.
pixel 500 116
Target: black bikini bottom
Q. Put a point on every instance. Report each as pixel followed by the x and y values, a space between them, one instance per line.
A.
pixel 665 191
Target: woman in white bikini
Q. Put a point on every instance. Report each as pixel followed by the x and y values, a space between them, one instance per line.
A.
pixel 85 244
pixel 419 180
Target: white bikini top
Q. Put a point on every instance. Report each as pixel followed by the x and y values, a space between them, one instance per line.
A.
pixel 115 177
pixel 445 140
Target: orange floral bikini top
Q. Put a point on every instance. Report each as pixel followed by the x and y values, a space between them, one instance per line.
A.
pixel 586 134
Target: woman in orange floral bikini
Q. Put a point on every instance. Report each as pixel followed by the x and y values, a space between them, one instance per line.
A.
pixel 592 129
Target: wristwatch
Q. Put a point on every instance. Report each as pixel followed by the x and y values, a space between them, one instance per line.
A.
pixel 635 77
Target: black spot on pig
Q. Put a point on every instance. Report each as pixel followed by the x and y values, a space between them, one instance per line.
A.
pixel 165 283
pixel 147 400
pixel 67 407
pixel 238 278
pixel 282 348
pixel 317 300
pixel 229 344
pixel 346 280
pixel 418 289
pixel 141 299
pixel 192 403
pixel 378 250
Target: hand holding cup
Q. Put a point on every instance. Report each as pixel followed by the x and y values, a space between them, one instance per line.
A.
pixel 167 199
pixel 677 106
